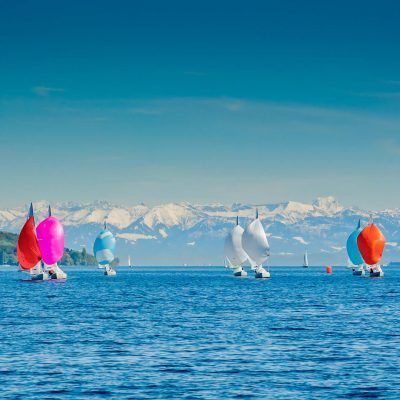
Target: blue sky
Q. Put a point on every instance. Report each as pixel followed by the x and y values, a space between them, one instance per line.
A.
pixel 200 101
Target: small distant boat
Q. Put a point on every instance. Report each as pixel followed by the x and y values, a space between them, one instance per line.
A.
pixel 103 249
pixel 235 256
pixel 255 244
pixel 129 262
pixel 305 261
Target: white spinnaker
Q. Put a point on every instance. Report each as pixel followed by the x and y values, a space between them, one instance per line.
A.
pixel 233 247
pixel 255 243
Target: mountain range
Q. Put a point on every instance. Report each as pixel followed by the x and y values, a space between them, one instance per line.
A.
pixel 193 234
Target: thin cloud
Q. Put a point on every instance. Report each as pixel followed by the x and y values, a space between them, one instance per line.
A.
pixel 46 91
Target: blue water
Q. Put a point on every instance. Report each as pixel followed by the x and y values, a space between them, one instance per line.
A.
pixel 199 333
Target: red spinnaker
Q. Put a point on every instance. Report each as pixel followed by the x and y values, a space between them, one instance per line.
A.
pixel 371 243
pixel 28 251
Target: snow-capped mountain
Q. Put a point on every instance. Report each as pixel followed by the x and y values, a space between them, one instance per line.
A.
pixel 183 233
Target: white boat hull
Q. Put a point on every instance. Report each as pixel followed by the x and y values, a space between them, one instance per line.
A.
pixel 110 272
pixel 262 273
pixel 59 275
pixel 240 272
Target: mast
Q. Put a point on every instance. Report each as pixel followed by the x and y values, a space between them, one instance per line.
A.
pixel 30 212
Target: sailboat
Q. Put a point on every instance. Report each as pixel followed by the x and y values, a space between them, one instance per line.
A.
pixel 305 261
pixel 103 249
pixel 353 252
pixel 235 256
pixel 43 244
pixel 129 262
pixel 28 251
pixel 371 243
pixel 255 244
pixel 50 234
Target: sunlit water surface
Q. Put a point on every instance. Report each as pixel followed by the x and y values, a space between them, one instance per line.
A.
pixel 200 333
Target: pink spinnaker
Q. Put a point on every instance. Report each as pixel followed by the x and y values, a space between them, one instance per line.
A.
pixel 50 234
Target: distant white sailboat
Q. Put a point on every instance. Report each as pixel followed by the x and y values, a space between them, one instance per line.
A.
pixel 255 244
pixel 305 262
pixel 129 262
pixel 235 256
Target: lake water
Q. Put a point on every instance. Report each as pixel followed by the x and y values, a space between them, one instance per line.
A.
pixel 200 333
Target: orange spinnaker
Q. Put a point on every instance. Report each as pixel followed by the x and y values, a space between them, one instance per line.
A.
pixel 28 251
pixel 371 243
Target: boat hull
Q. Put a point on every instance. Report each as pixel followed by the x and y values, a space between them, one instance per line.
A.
pixel 241 273
pixel 262 274
pixel 40 277
pixel 110 272
pixel 59 275
pixel 377 274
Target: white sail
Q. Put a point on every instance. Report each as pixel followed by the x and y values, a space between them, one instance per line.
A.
pixel 255 243
pixel 234 253
pixel 305 262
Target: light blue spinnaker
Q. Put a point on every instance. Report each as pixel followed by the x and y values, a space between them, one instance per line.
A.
pixel 104 246
pixel 352 246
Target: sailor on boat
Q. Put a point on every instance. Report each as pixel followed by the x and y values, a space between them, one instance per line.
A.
pixel 103 249
pixel 235 256
pixel 255 244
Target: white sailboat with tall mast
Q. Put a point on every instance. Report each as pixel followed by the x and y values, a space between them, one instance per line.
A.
pixel 255 244
pixel 305 261
pixel 235 256
pixel 129 262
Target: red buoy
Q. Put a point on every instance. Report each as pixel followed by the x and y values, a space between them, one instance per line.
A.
pixel 328 269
